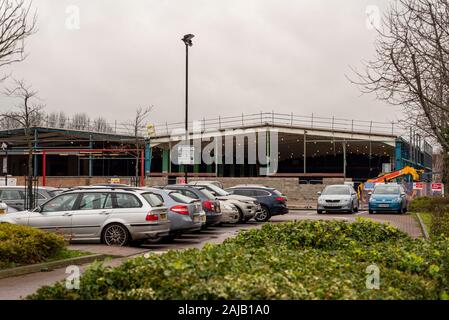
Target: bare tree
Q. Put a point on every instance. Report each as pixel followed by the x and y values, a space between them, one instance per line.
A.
pixel 135 126
pixel 80 121
pixel 411 66
pixel 28 113
pixel 101 125
pixel 17 22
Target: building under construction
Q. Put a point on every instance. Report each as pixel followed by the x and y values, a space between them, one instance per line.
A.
pixel 309 148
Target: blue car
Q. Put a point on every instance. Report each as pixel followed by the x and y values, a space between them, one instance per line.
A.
pixel 388 198
pixel 272 201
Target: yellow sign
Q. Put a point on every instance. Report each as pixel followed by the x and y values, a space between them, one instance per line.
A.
pixel 115 180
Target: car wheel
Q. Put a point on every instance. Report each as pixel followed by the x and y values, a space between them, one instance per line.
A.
pixel 356 209
pixel 319 211
pixel 370 211
pixel 241 216
pixel 264 215
pixel 116 235
pixel 235 218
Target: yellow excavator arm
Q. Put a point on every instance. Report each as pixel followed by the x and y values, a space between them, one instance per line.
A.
pixel 416 174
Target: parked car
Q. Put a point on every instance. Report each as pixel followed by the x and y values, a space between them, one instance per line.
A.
pixel 185 214
pixel 388 197
pixel 338 198
pixel 229 212
pixel 247 206
pixel 203 182
pixel 112 216
pixel 3 208
pixel 272 201
pixel 210 205
pixel 14 196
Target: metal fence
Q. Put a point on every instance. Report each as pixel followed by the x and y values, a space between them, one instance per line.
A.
pixel 280 119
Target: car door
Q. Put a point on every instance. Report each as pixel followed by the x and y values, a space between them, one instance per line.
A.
pixel 55 215
pixel 13 197
pixel 92 211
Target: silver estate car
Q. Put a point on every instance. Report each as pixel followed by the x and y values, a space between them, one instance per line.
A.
pixel 338 198
pixel 114 217
pixel 247 206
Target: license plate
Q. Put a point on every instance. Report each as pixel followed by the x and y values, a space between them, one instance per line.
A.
pixel 203 218
pixel 2 211
pixel 196 219
pixel 384 205
pixel 333 204
pixel 163 216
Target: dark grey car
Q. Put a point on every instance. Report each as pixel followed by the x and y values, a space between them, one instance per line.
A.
pixel 185 214
pixel 209 203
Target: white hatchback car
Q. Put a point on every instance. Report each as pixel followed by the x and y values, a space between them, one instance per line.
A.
pixel 113 216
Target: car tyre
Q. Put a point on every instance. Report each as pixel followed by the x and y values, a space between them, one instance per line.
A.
pixel 370 211
pixel 264 215
pixel 241 216
pixel 115 234
pixel 319 211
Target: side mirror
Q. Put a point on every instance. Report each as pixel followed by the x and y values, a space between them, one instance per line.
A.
pixel 319 193
pixel 370 193
pixel 38 209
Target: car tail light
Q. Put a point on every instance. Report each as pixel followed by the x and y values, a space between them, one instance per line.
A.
pixel 282 199
pixel 180 209
pixel 208 205
pixel 152 217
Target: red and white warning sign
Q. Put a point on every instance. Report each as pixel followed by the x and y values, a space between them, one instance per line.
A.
pixel 437 187
pixel 418 186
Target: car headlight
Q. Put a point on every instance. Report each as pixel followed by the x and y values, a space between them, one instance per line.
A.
pixel 398 200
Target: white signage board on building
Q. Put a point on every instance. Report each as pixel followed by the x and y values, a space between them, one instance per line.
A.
pixel 11 181
pixel 186 155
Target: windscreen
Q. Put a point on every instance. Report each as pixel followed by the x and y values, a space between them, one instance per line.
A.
pixel 387 190
pixel 336 190
pixel 153 199
pixel 217 190
pixel 207 193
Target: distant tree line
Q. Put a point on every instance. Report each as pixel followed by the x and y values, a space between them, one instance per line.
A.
pixel 78 121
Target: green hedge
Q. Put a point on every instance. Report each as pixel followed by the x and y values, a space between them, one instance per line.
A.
pixel 25 245
pixel 438 208
pixel 296 260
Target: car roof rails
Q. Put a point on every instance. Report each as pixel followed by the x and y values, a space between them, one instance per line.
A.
pixel 102 188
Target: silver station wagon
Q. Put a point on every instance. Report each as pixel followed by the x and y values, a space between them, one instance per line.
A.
pixel 115 217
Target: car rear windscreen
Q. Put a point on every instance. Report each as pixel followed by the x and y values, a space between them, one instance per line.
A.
pixel 153 199
pixel 180 197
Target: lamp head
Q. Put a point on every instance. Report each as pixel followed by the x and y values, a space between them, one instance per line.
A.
pixel 188 39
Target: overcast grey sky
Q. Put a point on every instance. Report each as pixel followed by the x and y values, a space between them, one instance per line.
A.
pixel 248 56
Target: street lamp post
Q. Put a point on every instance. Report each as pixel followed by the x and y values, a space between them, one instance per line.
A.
pixel 187 39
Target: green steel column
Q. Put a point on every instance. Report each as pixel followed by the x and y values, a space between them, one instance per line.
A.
pixel 148 152
pixel 209 168
pixel 196 168
pixel 166 161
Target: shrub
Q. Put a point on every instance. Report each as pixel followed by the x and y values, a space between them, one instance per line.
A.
pixel 26 245
pixel 428 204
pixel 438 207
pixel 296 260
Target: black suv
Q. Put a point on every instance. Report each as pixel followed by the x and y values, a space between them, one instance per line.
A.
pixel 272 201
